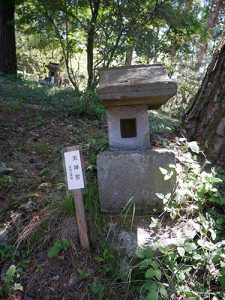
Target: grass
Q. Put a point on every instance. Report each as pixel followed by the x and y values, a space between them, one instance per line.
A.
pixel 63 205
pixel 162 123
pixel 27 94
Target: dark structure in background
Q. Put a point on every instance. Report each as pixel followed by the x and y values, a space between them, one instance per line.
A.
pixel 53 75
pixel 53 78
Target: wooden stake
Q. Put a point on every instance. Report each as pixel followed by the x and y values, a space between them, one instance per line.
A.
pixel 81 221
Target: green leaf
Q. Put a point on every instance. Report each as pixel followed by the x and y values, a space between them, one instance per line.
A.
pixel 53 251
pixel 181 251
pixel 99 259
pixel 159 195
pixel 151 273
pixel 194 147
pixel 82 274
pixel 167 198
pixel 10 273
pixel 145 263
pixel 163 171
pixel 58 246
pixel 152 291
pixel 66 244
pixel 181 276
pixel 172 166
pixel 97 289
pixel 154 264
pixel 168 176
pixel 158 274
pixel 197 257
pixel 154 223
pixel 148 252
pixel 140 253
pixel 213 234
pixel 189 247
pixel 222 278
pixel 18 287
pixel 163 292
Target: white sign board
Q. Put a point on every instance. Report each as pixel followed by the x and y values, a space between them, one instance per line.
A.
pixel 74 174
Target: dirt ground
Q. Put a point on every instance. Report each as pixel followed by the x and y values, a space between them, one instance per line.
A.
pixel 31 143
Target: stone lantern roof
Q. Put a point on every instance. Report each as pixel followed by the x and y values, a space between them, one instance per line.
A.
pixel 136 85
pixel 53 66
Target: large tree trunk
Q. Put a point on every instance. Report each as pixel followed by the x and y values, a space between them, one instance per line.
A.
pixel 205 121
pixel 8 63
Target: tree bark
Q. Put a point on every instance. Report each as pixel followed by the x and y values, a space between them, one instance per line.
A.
pixel 90 56
pixel 8 63
pixel 205 121
pixel 94 6
pixel 129 56
pixel 212 20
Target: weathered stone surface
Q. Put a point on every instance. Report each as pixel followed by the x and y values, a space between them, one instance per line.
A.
pixel 122 241
pixel 140 84
pixel 125 242
pixel 138 112
pixel 4 170
pixel 5 234
pixel 123 175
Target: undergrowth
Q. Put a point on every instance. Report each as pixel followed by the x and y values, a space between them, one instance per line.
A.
pixel 18 262
pixel 194 267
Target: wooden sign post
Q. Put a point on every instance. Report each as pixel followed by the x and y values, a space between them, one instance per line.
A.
pixel 73 168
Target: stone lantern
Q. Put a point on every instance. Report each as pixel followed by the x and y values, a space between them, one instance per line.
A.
pixel 53 72
pixel 130 169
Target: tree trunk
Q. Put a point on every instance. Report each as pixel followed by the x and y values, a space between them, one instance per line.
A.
pixel 129 56
pixel 211 23
pixel 90 56
pixel 8 64
pixel 94 6
pixel 205 121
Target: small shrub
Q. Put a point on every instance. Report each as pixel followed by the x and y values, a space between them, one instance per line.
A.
pixel 64 205
pixel 6 182
pixel 91 104
pixel 97 289
pixel 9 284
pixel 59 246
pixel 42 149
pixel 82 274
pixel 194 268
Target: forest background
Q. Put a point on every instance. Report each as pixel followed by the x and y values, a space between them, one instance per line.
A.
pixel 84 36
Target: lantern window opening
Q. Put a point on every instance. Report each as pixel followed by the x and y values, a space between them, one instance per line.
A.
pixel 128 128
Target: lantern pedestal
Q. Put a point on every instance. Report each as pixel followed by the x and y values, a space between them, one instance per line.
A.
pixel 134 177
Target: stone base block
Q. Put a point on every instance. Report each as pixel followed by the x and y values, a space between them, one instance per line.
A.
pixel 123 175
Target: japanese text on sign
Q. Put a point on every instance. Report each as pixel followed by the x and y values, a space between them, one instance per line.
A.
pixel 74 172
